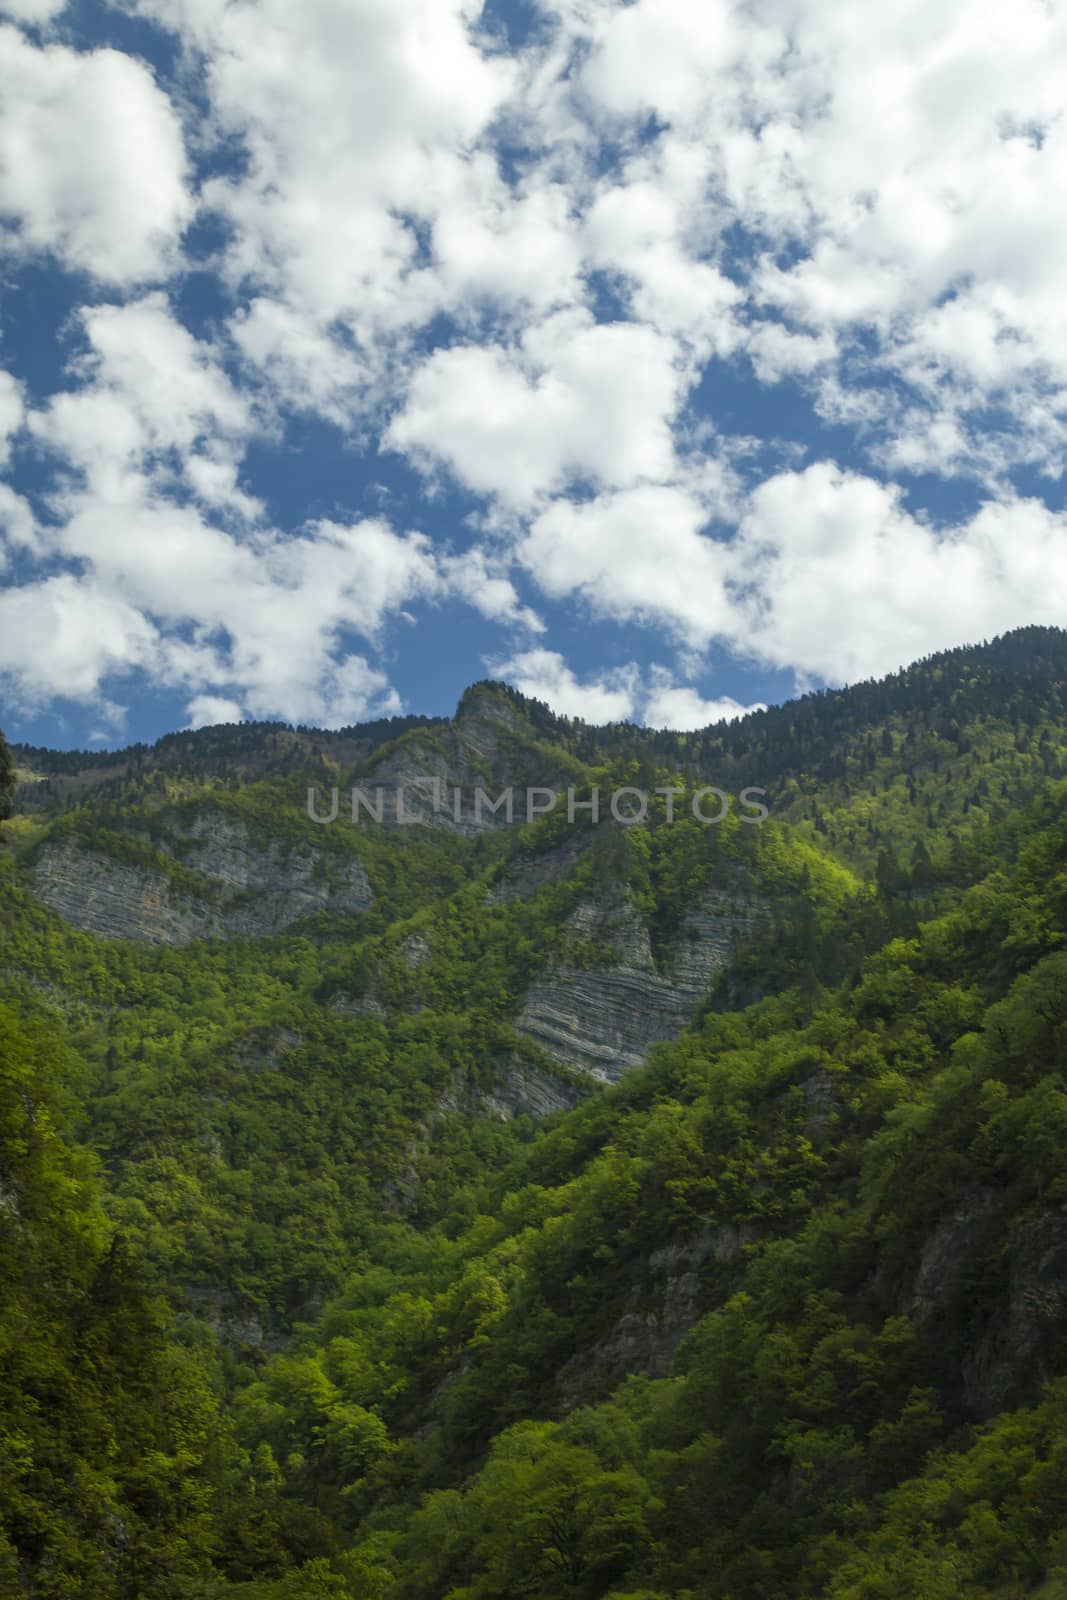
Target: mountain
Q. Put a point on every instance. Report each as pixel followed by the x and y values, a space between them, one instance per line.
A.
pixel 562 1208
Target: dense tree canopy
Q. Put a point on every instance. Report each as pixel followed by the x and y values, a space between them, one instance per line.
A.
pixel 288 1310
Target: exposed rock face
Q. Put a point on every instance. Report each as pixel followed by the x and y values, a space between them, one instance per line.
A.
pixel 486 748
pixel 117 900
pixel 231 1323
pixel 268 1052
pixel 415 951
pixel 720 920
pixel 949 1251
pixel 521 1089
pixel 1014 1351
pixel 676 1290
pixel 821 1106
pixel 602 1020
pixel 1025 1344
pixel 250 889
pixel 361 1005
pixel 524 877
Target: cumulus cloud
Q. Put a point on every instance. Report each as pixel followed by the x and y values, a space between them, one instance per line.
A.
pixel 618 695
pixel 62 637
pixel 518 247
pixel 353 114
pixel 93 168
pixel 32 11
pixel 195 609
pixel 847 584
pixel 511 269
pixel 639 555
pixel 12 413
pixel 477 578
pixel 300 365
pixel 210 710
pixel 18 526
pixel 828 573
pixel 895 176
pixel 151 400
pixel 545 675
pixel 563 406
pixel 662 55
pixel 653 232
pixel 682 708
pixel 186 579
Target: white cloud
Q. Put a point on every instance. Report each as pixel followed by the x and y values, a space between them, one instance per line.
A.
pixel 616 694
pixel 682 708
pixel 152 399
pixel 268 622
pixel 356 115
pixel 777 352
pixel 639 554
pixel 18 526
pixel 300 365
pixel 651 231
pixel 321 687
pixel 61 637
pixel 865 203
pixel 93 166
pixel 907 164
pixel 34 12
pixel 829 574
pixel 845 583
pixel 577 400
pixel 269 615
pixel 12 413
pixel 476 578
pixel 545 675
pixel 242 607
pixel 662 55
pixel 519 248
pixel 209 710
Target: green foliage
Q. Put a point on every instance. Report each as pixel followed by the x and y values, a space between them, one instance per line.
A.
pixel 288 1311
pixel 107 1430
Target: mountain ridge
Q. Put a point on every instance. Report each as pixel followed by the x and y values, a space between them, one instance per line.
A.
pixel 1027 650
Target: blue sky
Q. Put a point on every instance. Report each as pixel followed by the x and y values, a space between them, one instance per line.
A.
pixel 664 358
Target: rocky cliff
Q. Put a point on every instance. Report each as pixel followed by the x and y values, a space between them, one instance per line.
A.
pixel 489 745
pixel 601 1017
pixel 1005 1280
pixel 231 885
pixel 674 1286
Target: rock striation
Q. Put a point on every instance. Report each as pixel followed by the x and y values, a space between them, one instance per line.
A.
pixel 602 1019
pixel 251 889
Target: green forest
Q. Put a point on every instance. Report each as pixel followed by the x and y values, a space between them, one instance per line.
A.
pixel 291 1308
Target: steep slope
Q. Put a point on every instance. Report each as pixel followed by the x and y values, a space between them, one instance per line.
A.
pixel 561 1210
pixel 858 1213
pixel 602 1020
pixel 107 1428
pixel 199 874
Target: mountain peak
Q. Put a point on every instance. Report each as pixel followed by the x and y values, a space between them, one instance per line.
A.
pixel 491 700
